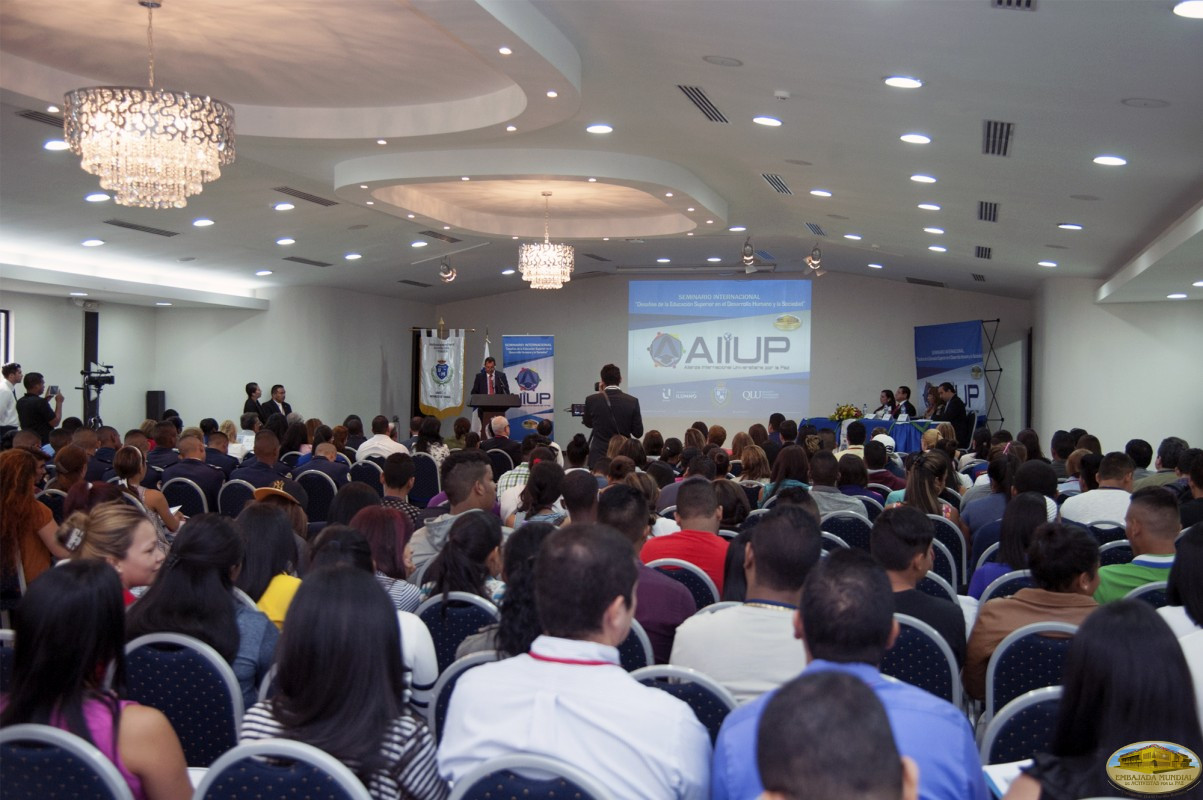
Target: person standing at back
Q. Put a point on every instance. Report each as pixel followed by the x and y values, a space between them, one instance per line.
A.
pixel 610 412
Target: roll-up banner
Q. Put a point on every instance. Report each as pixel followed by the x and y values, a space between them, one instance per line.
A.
pixel 442 374
pixel 529 364
pixel 951 353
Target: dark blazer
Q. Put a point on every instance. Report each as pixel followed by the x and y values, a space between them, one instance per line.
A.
pixel 339 472
pixel 954 412
pixel 501 385
pixel 161 457
pixel 100 463
pixel 253 407
pixel 226 463
pixel 208 477
pixel 268 408
pixel 905 407
pixel 259 475
pixel 620 415
pixel 512 448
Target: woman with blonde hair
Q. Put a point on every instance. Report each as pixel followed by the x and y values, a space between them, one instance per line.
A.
pixel 229 429
pixel 119 535
pixel 738 442
pixel 754 464
pixel 929 439
pixel 27 542
pixel 130 466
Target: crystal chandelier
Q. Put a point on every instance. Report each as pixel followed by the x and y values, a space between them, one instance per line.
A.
pixel 543 264
pixel 153 147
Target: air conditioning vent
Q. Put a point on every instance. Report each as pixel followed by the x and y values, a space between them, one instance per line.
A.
pixel 764 255
pixel 1017 5
pixel 699 99
pixel 979 278
pixel 417 284
pixel 987 212
pixel 925 282
pixel 996 137
pixel 307 261
pixel 42 117
pixel 297 193
pixel 594 256
pixel 983 252
pixel 816 229
pixel 118 223
pixel 776 182
pixel 442 237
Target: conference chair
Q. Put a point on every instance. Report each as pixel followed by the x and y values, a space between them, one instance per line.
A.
pixel 1031 657
pixel 369 472
pixel 7 659
pixel 853 528
pixel 880 488
pixel 53 499
pixel 351 453
pixel 635 652
pixel 710 700
pixel 291 458
pixel 40 761
pixel 872 507
pixel 1023 727
pixel 985 536
pixel 279 768
pixel 1115 553
pixel 932 584
pixel 830 543
pixel 186 494
pixel 130 500
pixel 692 576
pixel 436 712
pixel 529 777
pixel 988 555
pixel 1151 593
pixel 501 461
pixel 1108 531
pixel 752 490
pixel 943 563
pixel 320 489
pixel 1007 585
pixel 668 512
pixel 922 658
pixel 233 496
pixel 426 480
pixel 952 498
pixel 450 623
pixel 949 534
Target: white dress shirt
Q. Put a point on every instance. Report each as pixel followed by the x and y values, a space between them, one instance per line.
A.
pixel 381 445
pixel 8 406
pixel 1097 505
pixel 571 700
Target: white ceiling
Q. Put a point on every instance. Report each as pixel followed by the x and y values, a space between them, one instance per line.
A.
pixel 315 84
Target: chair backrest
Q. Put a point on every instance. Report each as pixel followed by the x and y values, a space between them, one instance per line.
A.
pixel 872 507
pixel 368 472
pixel 951 497
pixel 445 685
pixel 830 542
pixel 185 493
pixel 853 528
pixel 1107 531
pixel 692 576
pixel 710 700
pixel 426 480
pixel 193 686
pixel 943 563
pixel 932 584
pixel 880 488
pixel 922 658
pixel 668 512
pixel 1028 658
pixel 291 457
pixel 988 555
pixel 530 777
pixel 233 496
pixel 40 761
pixel 321 489
pixel 950 535
pixel 279 768
pixel 635 652
pixel 501 461
pixel 719 606
pixel 1023 727
pixel 53 499
pixel 7 659
pixel 351 453
pixel 463 615
pixel 130 500
pixel 1151 593
pixel 1007 585
pixel 970 467
pixel 988 534
pixel 1115 553
pixel 728 535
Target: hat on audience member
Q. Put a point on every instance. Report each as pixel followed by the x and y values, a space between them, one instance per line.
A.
pixel 886 440
pixel 264 492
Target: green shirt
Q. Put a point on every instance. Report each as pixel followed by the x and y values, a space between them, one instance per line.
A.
pixel 1116 580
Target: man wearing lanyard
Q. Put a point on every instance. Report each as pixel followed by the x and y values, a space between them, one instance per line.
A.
pixel 489 381
pixel 8 398
pixel 610 412
pixel 569 698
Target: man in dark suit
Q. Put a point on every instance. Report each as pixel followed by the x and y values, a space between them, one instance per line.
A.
pixel 102 460
pixel 163 456
pixel 276 405
pixel 611 411
pixel 954 412
pixel 903 398
pixel 217 453
pixel 262 470
pixel 501 440
pixel 489 381
pixel 193 467
pixel 324 461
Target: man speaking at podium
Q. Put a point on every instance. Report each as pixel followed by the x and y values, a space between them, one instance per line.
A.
pixel 489 381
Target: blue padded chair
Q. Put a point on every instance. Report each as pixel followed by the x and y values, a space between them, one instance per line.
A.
pixel 369 472
pixel 1115 553
pixel 501 461
pixel 7 659
pixel 291 458
pixel 1023 727
pixel 463 615
pixel 851 527
pixel 635 652
pixel 943 563
pixel 668 512
pixel 880 488
pixel 193 686
pixel 53 499
pixel 436 712
pixel 693 577
pixel 1108 531
pixel 39 762
pixel 426 480
pixel 830 543
pixel 279 768
pixel 872 507
pixel 320 489
pixel 922 658
pixel 1007 585
pixel 932 584
pixel 1031 657
pixel 990 554
pixel 710 700
pixel 530 777
pixel 1151 593
pixel 947 533
pixel 233 496
pixel 187 495
pixel 983 539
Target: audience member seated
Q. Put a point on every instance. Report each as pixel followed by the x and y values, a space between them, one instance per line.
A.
pixel 192 465
pixel 72 623
pixel 827 711
pixel 430 440
pixel 163 455
pixel 120 536
pixel 579 496
pixel 1109 702
pixel 750 648
pixel 499 427
pixel 576 453
pixel 539 497
pixel 266 469
pixel 70 465
pixel 824 477
pixel 1151 525
pixel 269 562
pixel 382 444
pixel 925 482
pixel 349 500
pixel 1025 513
pixel 470 561
pixel 876 460
pixel 1064 561
pixel 1184 594
pixel 1141 453
pixel 697 467
pixel 193 595
pixel 791 468
pixel 468 481
pixel 854 479
pixel 295 439
pixel 1190 511
pixel 901 542
pixel 754 465
pixel 340 687
pixel 388 532
pixel 324 459
pixel 846 620
pixel 698 513
pixel 856 441
pixel 1109 501
pixel 1168 452
pixel 101 460
pixel 217 453
pixel 129 465
pixel 568 698
pixel 1001 475
pixel 734 503
pixel 397 476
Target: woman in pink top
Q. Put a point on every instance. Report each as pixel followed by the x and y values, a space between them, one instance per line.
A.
pixel 70 629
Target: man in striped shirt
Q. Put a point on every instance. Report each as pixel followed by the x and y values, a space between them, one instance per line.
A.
pixel 1152 525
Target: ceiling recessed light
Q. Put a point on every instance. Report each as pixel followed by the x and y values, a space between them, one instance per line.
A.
pixel 446 227
pixel 1176 296
pixel 605 238
pixel 363 186
pixel 923 179
pixel 382 141
pixel 929 207
pixel 663 260
pixel 709 222
pixel 1110 161
pixel 283 206
pixel 553 94
pixel 853 236
pixel 935 248
pixel 78 294
pixel 714 259
pixel 936 231
pixel 593 180
pixel 690 233
pixel 513 237
pixel 286 240
pixel 507 272
pixel 668 194
pixel 55 144
pixel 465 178
pixel 820 193
pixel 511 128
pixel 162 303
pixel 53 109
pixel 1069 226
pixel 915 138
pixel 418 243
pixel 903 82
pixel 1197 284
pixel 737 228
pixel 97 197
pixel 771 122
pixel 1191 9
pixel 263 273
pixel 352 256
pixel 1049 264
pixel 876 266
pixel 370 203
pixel 201 222
pixel 92 242
pixel 691 208
pixel 410 216
pixel 599 127
pixel 505 51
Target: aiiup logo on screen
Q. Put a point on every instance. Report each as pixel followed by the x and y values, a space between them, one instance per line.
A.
pixel 667 350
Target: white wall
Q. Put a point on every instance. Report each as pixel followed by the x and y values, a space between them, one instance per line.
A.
pixel 1121 371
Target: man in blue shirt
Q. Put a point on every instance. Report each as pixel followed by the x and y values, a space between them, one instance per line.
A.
pixel 846 620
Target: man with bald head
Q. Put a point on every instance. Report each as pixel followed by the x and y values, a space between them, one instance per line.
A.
pixel 325 460
pixel 193 467
pixel 108 441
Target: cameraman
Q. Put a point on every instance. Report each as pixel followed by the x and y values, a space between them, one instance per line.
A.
pixel 34 410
